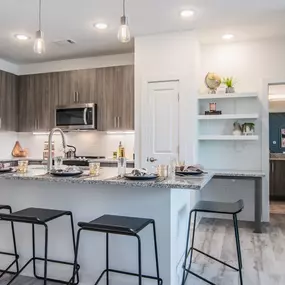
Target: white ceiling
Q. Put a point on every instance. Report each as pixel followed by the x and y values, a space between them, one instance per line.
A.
pixel 73 19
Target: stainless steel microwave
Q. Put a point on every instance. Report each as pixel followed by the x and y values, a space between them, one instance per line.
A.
pixel 76 117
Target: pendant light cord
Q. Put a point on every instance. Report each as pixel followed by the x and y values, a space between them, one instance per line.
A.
pixel 40 15
pixel 124 8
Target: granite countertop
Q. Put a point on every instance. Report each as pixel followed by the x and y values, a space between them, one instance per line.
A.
pixel 238 173
pixel 108 177
pixel 277 158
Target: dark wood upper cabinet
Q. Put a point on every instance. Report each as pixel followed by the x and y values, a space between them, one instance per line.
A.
pixel 8 101
pixel 111 88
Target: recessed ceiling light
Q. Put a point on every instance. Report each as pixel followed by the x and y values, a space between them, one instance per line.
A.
pixel 187 13
pixel 228 36
pixel 21 37
pixel 101 26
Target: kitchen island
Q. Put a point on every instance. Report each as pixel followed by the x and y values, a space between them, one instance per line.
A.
pixel 166 201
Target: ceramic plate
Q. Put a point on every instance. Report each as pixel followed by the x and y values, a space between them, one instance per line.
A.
pixel 3 170
pixel 145 177
pixel 66 174
pixel 196 172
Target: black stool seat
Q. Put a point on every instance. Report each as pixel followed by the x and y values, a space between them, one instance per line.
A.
pixel 219 207
pixel 117 224
pixel 35 215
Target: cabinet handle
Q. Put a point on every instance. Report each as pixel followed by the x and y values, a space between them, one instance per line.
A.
pixel 272 166
pixel 118 122
pixel 115 122
pixel 0 123
pixel 77 97
pixel 74 97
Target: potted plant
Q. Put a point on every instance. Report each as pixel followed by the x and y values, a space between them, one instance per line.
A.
pixel 248 129
pixel 229 82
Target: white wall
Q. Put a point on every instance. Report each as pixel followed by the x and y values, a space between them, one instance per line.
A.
pixel 7 142
pixel 164 57
pixel 87 143
pixel 252 63
pixel 74 64
pixel 8 66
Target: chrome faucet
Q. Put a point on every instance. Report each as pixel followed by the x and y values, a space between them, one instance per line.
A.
pixel 49 164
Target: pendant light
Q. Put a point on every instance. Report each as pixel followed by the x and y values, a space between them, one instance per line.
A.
pixel 124 34
pixel 39 45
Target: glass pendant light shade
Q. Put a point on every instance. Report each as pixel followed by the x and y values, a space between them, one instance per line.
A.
pixel 124 34
pixel 39 45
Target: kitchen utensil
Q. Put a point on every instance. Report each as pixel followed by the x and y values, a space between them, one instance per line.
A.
pixel 71 152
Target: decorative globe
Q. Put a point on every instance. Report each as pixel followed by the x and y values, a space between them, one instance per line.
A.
pixel 212 81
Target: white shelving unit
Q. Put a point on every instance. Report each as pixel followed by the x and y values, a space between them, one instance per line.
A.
pixel 227 96
pixel 227 138
pixel 228 117
pixel 218 147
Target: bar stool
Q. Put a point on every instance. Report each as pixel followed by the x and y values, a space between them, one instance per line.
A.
pixel 120 225
pixel 39 216
pixel 15 254
pixel 217 208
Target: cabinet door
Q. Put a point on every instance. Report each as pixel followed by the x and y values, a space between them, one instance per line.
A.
pixel 278 169
pixel 8 101
pixel 27 104
pixel 124 97
pixel 86 86
pixel 67 87
pixel 105 96
pixel 271 179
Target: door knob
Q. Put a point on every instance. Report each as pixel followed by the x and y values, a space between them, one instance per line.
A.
pixel 151 159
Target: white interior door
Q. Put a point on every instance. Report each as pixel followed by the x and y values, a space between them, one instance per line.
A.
pixel 160 128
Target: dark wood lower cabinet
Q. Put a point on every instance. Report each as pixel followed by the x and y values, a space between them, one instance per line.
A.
pixel 277 179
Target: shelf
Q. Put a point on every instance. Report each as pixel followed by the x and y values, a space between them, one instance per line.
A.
pixel 227 96
pixel 228 117
pixel 227 138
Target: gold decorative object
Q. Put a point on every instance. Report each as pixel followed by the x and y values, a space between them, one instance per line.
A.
pixel 18 151
pixel 212 81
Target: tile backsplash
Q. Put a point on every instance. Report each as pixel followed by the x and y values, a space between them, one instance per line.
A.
pixel 88 143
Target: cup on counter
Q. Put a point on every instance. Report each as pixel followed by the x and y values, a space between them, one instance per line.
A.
pixel 162 170
pixel 94 168
pixel 122 166
pixel 58 161
pixel 23 166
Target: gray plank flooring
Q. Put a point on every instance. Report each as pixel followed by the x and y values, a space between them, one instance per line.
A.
pixel 263 254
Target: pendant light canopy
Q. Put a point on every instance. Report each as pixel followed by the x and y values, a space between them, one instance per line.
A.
pixel 124 34
pixel 39 45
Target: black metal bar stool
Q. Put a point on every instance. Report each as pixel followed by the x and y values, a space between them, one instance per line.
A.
pixel 120 225
pixel 15 254
pixel 39 216
pixel 217 208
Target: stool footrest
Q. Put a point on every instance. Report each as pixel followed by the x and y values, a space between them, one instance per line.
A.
pixel 127 273
pixel 59 262
pixel 42 278
pixel 198 276
pixel 4 271
pixel 214 258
